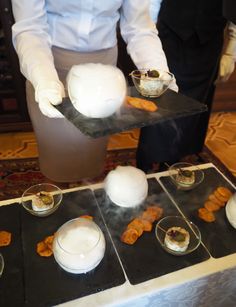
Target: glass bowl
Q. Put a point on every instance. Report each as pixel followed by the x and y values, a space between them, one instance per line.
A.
pixel 42 199
pixel 79 246
pixel 185 176
pixel 168 222
pixel 1 264
pixel 150 84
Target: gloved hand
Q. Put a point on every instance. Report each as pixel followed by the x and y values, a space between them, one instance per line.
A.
pixel 49 90
pixel 47 94
pixel 228 58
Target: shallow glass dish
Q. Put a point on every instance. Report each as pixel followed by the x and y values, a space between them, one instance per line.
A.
pixel 151 86
pixel 79 246
pixel 168 222
pixel 1 264
pixel 30 199
pixel 186 176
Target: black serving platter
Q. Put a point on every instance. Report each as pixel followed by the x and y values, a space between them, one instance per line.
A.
pixel 171 105
pixel 46 283
pixel 218 236
pixel 145 259
pixel 11 281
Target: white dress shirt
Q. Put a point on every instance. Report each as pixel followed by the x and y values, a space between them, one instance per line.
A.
pixel 83 26
pixel 154 9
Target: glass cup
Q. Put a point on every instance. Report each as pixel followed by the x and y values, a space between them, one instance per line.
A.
pixel 79 246
pixel 1 264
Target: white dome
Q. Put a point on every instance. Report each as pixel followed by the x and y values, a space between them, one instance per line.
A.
pixel 126 186
pixel 230 210
pixel 96 90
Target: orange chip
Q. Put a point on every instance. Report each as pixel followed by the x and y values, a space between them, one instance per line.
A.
pixel 211 206
pixel 5 238
pixel 44 248
pixel 206 215
pixel 89 217
pixel 49 241
pixel 215 200
pixel 221 198
pixel 225 192
pixel 129 236
pixel 148 216
pixel 136 224
pixel 155 211
pixel 142 104
pixel 147 225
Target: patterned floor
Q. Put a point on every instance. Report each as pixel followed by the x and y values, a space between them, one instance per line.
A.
pixel 221 140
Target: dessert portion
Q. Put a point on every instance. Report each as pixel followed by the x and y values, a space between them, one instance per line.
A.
pixel 185 178
pixel 151 82
pixel 142 223
pixel 79 246
pixel 126 186
pixel 42 201
pixel 177 239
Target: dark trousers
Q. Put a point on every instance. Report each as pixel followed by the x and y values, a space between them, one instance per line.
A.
pixel 195 66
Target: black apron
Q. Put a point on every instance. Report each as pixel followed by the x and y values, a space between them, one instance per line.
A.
pixel 191 32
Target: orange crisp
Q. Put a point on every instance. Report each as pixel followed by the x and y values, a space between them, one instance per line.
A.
pixel 206 215
pixel 142 104
pixel 225 192
pixel 89 217
pixel 129 236
pixel 211 206
pixel 5 238
pixel 44 248
pixel 143 223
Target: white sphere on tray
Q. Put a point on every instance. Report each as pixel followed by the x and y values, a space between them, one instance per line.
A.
pixel 96 90
pixel 126 186
pixel 230 210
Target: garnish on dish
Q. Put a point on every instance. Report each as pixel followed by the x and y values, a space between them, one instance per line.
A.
pixel 42 201
pixel 177 239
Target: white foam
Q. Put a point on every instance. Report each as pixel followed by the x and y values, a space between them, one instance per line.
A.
pixel 126 186
pixel 79 249
pixel 96 90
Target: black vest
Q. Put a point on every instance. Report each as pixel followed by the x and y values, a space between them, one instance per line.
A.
pixel 229 10
pixel 186 17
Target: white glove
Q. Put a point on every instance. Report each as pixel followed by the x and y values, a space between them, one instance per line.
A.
pixel 47 94
pixel 49 90
pixel 228 58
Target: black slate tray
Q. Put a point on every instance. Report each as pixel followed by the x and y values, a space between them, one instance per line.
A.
pixel 170 105
pixel 11 281
pixel 45 282
pixel 145 259
pixel 219 236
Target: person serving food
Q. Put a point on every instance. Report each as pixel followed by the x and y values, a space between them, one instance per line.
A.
pixel 52 36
